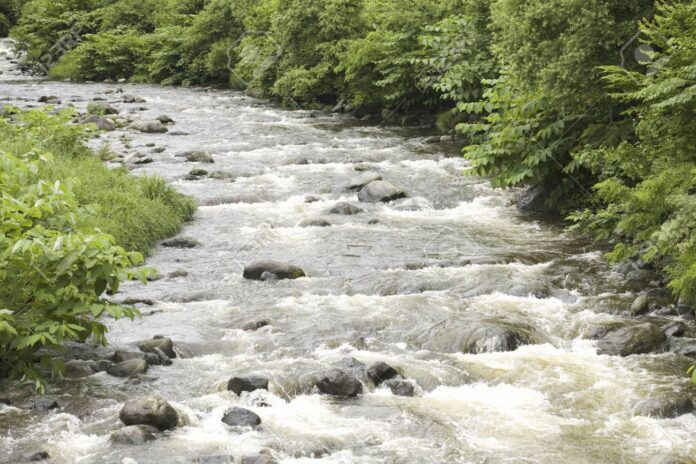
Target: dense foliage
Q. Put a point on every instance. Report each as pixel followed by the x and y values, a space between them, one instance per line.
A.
pixel 63 219
pixel 591 100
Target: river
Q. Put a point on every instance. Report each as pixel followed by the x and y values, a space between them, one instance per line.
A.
pixel 396 283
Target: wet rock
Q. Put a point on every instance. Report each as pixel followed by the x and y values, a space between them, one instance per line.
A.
pixel 49 99
pixel 373 222
pixel 135 301
pixel 362 180
pixel 128 368
pixel 258 459
pixel 316 222
pixel 137 159
pixel 38 455
pixel 199 156
pixel 178 273
pixel 255 325
pixel 674 329
pixel 640 306
pixel 158 150
pixel 45 404
pixel 380 192
pixel 247 384
pixel 101 122
pixel 164 119
pixel 338 382
pixel 198 173
pixel 165 344
pixel 280 270
pixel 133 99
pixel 134 435
pixel 683 346
pixel 153 411
pixel 311 199
pixel 635 339
pixel 345 208
pixel 180 242
pixel 533 200
pixel 240 417
pixel 380 372
pixel 479 337
pixel 77 369
pixel 666 406
pixel 149 127
pixel 101 109
pixel 400 387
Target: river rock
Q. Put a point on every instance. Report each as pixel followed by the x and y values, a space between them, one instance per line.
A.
pixel 77 369
pixel 380 372
pixel 240 417
pixel 128 368
pixel 163 343
pixel 533 200
pixel 180 242
pixel 640 306
pixel 164 119
pixel 380 192
pixel 258 459
pixel 476 337
pixel 338 382
pixel 150 127
pixel 345 208
pixel 49 99
pixel 247 384
pixel 311 199
pixel 400 387
pixel 665 406
pixel 101 122
pixel 199 156
pixel 255 270
pixel 674 329
pixel 255 325
pixel 101 108
pixel 134 435
pixel 37 455
pixel 153 411
pixel 635 339
pixel 362 180
pixel 316 222
pixel 133 99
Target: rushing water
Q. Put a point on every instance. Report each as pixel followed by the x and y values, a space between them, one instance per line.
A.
pixel 455 253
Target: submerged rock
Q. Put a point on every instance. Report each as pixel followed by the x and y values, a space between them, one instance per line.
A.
pixel 317 222
pixel 362 180
pixel 164 344
pixel 255 325
pixel 380 192
pixel 134 435
pixel 345 208
pixel 153 411
pixel 380 372
pixel 128 368
pixel 635 339
pixel 256 270
pixel 479 337
pixel 180 242
pixel 338 382
pixel 666 406
pixel 37 455
pixel 247 384
pixel 240 417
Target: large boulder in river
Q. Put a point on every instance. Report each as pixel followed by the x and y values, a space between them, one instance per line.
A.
pixel 362 180
pixel 240 417
pixel 380 191
pixel 380 372
pixel 247 384
pixel 101 122
pixel 665 406
pixel 400 387
pixel 150 127
pixel 257 270
pixel 476 337
pixel 164 344
pixel 78 368
pixel 345 208
pixel 134 435
pixel 128 368
pixel 534 199
pixel 634 339
pixel 339 382
pixel 153 411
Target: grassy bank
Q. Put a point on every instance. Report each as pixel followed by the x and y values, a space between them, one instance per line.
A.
pixel 71 231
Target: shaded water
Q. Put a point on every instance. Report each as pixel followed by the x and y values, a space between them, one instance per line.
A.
pixel 455 253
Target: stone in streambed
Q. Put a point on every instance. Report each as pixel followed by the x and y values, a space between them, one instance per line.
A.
pixel 338 382
pixel 77 369
pixel 345 208
pixel 180 242
pixel 380 192
pixel 197 156
pixel 247 384
pixel 400 387
pixel 674 329
pixel 256 270
pixel 475 337
pixel 134 435
pixel 240 417
pixel 635 339
pixel 38 455
pixel 101 122
pixel 164 119
pixel 666 406
pixel 149 127
pixel 380 372
pixel 162 343
pixel 153 411
pixel 101 108
pixel 133 99
pixel 255 325
pixel 639 306
pixel 362 180
pixel 316 222
pixel 49 99
pixel 128 368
